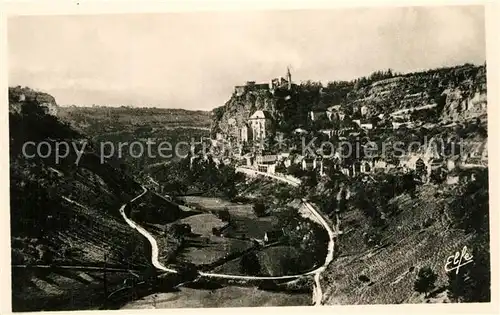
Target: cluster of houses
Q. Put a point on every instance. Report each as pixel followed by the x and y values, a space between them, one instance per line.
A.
pixel 261 126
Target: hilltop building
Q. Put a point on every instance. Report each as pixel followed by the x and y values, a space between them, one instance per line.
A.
pixel 276 83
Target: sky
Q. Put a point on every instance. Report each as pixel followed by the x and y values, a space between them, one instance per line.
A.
pixel 193 60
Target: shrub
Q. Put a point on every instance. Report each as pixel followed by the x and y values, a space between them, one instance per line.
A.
pixel 470 208
pixel 363 278
pixel 473 282
pixel 372 239
pixel 425 281
pixel 260 209
pixel 250 264
pixel 216 231
pixel 224 215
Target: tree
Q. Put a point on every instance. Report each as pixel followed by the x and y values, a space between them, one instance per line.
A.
pixel 469 210
pixel 295 170
pixel 250 264
pixel 425 281
pixel 216 231
pixel 260 209
pixel 280 168
pixel 224 215
pixel 438 175
pixel 457 285
pixel 473 282
pixel 311 179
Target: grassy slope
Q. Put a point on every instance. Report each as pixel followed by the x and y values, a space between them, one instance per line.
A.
pixel 407 246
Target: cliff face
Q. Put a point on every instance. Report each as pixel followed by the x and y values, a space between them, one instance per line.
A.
pixel 20 95
pixel 235 113
pixel 457 92
pixel 463 105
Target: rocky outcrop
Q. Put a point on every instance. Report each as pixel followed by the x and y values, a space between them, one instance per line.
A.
pixel 238 109
pixel 461 105
pixel 18 96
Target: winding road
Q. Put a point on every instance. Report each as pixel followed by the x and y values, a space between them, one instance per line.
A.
pixel 317 292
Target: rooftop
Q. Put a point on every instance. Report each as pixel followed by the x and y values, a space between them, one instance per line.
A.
pixel 261 114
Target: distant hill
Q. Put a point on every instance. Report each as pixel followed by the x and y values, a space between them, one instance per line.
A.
pixel 100 120
pixel 128 125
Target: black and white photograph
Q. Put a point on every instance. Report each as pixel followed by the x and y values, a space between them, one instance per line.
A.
pixel 248 158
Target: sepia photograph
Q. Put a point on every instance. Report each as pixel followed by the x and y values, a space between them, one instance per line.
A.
pixel 248 158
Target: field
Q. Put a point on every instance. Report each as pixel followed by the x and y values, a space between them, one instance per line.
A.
pixel 238 235
pixel 202 248
pixel 244 223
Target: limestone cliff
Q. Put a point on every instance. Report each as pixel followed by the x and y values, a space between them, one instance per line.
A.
pixel 235 113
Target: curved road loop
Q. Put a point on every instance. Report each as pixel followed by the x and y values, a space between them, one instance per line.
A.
pixel 317 292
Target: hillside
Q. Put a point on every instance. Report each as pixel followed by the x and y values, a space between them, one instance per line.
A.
pixel 378 262
pixel 99 120
pixel 446 94
pixel 126 125
pixel 65 213
pixel 397 220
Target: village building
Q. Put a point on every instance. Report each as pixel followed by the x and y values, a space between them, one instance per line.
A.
pixel 300 131
pixel 309 164
pixel 316 115
pixel 273 236
pixel 452 162
pixel 397 125
pixel 266 163
pixel 366 126
pixel 273 84
pixel 328 132
pixel 364 110
pixel 334 113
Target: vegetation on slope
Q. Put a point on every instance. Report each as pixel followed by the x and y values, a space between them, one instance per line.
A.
pixel 382 92
pixel 387 239
pixel 65 213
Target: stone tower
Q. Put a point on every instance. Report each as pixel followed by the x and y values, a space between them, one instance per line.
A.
pixel 289 78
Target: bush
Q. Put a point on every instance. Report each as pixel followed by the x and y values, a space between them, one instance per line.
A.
pixel 295 170
pixel 216 231
pixel 470 208
pixel 437 175
pixel 372 239
pixel 473 282
pixel 250 264
pixel 260 209
pixel 224 215
pixel 363 278
pixel 425 281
